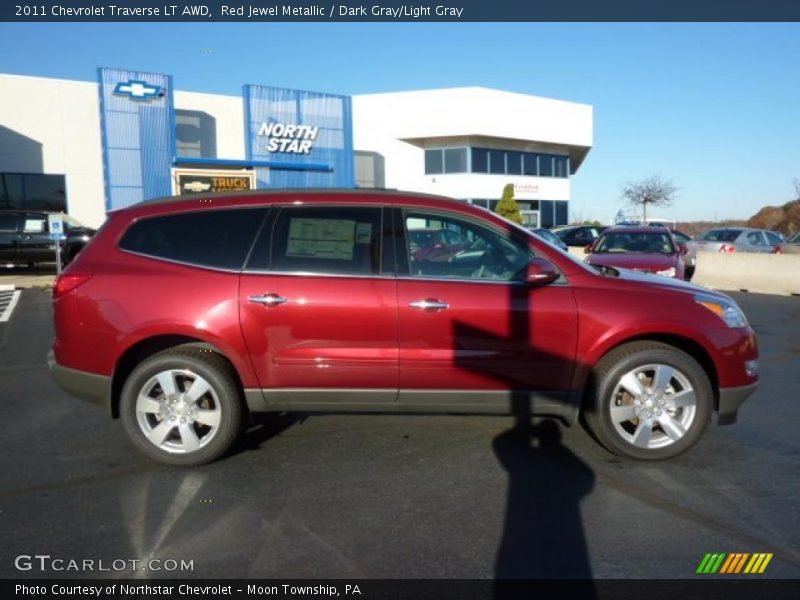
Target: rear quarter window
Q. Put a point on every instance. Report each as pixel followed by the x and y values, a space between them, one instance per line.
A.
pixel 211 238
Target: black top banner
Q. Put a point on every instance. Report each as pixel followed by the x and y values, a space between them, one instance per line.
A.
pixel 389 11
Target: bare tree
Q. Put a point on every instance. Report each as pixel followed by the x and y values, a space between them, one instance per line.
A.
pixel 651 190
pixel 797 188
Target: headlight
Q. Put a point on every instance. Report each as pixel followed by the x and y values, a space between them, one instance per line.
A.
pixel 727 310
pixel 667 272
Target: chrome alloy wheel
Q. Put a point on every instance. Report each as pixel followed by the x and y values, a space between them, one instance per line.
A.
pixel 178 411
pixel 653 406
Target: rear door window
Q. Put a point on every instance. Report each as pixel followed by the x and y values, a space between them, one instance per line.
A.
pixel 210 238
pixel 328 240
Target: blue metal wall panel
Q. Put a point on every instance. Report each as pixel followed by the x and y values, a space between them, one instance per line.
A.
pixel 331 148
pixel 137 120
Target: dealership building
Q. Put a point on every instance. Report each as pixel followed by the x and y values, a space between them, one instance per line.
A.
pixel 89 147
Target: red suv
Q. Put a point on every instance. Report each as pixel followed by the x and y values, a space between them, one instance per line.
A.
pixel 184 314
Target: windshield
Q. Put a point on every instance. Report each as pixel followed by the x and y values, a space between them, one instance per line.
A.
pixel 650 242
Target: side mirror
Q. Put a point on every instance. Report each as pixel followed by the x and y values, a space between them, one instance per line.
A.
pixel 683 249
pixel 541 272
pixel 588 249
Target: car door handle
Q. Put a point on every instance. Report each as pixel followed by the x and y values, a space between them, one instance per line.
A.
pixel 429 304
pixel 268 299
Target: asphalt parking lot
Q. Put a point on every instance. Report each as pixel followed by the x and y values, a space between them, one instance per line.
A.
pixel 396 496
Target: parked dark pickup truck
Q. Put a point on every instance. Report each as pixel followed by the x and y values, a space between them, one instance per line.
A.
pixel 25 238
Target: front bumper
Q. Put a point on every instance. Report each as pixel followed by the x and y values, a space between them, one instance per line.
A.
pixel 86 386
pixel 730 399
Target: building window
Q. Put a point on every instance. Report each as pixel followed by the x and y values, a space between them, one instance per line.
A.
pixel 545 165
pixel 496 162
pixel 434 162
pixel 480 160
pixel 561 166
pixel 455 160
pixel 530 164
pixel 546 216
pixel 33 191
pixel 561 213
pixel 514 163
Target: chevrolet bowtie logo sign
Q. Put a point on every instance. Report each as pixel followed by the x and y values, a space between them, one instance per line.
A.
pixel 138 90
pixel 196 186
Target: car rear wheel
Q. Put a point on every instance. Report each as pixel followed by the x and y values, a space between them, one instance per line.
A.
pixel 182 406
pixel 648 401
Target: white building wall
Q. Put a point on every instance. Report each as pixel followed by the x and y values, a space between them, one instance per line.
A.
pixel 401 125
pixel 61 120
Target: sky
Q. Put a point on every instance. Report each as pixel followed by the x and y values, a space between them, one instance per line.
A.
pixel 715 108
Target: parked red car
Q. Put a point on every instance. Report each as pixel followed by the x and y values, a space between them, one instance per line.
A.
pixel 431 243
pixel 647 249
pixel 184 314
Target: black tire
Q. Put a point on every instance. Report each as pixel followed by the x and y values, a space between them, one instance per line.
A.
pixel 220 407
pixel 688 273
pixel 634 361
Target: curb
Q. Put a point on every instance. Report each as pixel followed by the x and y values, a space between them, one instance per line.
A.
pixel 5 287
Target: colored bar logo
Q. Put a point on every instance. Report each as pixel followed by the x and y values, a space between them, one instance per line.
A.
pixel 734 563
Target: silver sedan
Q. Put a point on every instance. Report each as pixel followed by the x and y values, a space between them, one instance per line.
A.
pixel 739 239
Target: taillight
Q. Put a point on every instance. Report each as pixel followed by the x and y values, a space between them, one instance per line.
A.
pixel 66 282
pixel 776 250
pixel 727 248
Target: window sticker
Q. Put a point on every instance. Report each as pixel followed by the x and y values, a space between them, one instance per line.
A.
pixel 34 226
pixel 321 238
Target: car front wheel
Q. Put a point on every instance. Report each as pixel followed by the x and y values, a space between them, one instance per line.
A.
pixel 648 401
pixel 182 406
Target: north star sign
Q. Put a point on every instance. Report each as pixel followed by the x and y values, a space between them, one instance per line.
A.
pixel 289 139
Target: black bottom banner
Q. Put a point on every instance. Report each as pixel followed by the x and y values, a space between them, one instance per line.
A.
pixel 417 589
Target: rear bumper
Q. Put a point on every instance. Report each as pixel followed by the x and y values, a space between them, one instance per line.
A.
pixel 730 399
pixel 86 386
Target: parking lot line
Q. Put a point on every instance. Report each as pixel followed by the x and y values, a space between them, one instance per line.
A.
pixel 8 301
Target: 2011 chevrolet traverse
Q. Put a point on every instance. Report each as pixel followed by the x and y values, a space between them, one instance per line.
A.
pixel 184 314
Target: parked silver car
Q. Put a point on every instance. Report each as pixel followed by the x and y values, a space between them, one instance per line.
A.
pixel 792 245
pixel 739 239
